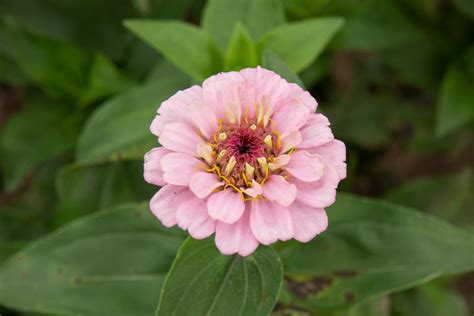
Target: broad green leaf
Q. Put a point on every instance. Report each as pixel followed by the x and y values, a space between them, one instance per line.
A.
pixel 59 67
pixel 204 282
pixel 110 263
pixel 429 300
pixel 372 307
pixel 241 52
pixel 271 61
pixel 300 9
pixel 299 43
pixel 40 132
pixel 87 188
pixel 370 249
pixel 456 98
pixel 258 16
pixel 466 6
pixel 94 25
pixel 189 48
pixel 104 80
pixel 119 129
pixel 449 196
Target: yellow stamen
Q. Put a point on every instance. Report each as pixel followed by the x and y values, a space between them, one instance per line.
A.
pixel 230 165
pixel 221 155
pixel 253 127
pixel 262 161
pixel 268 142
pixel 249 172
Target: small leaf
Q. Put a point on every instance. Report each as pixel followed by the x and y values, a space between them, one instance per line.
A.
pixel 119 129
pixel 83 189
pixel 258 16
pixel 370 249
pixel 40 132
pixel 104 80
pixel 241 52
pixel 110 263
pixel 271 61
pixel 456 99
pixel 204 282
pixel 189 48
pixel 299 43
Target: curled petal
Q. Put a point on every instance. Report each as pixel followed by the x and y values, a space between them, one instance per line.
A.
pixel 308 221
pixel 334 153
pixel 279 190
pixel 178 168
pixel 152 172
pixel 179 137
pixel 226 206
pixel 290 117
pixel 165 203
pixel 316 132
pixel 305 166
pixel 270 222
pixel 236 237
pixel 202 184
pixel 192 215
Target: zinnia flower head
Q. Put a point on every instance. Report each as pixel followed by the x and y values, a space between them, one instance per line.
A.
pixel 246 157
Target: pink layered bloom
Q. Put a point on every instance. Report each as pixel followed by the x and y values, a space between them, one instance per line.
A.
pixel 246 157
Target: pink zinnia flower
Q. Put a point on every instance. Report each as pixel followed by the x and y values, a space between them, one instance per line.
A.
pixel 246 157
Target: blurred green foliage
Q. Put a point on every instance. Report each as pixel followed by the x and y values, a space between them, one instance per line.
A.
pixel 78 91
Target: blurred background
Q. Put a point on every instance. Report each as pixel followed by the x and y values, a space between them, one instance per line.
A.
pixel 78 92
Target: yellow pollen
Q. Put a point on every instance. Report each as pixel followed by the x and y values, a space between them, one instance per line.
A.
pixel 222 136
pixel 230 166
pixel 253 127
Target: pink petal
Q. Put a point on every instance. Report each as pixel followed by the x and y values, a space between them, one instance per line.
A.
pixel 192 215
pixel 307 221
pixel 179 137
pixel 305 166
pixel 204 118
pixel 175 109
pixel 156 126
pixel 165 203
pixel 152 172
pixel 270 222
pixel 290 140
pixel 316 132
pixel 290 117
pixel 319 194
pixel 276 188
pixel 226 206
pixel 334 153
pixel 203 183
pixel 236 237
pixel 178 168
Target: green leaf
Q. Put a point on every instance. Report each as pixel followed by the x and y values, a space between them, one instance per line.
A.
pixel 258 16
pixel 456 99
pixel 189 48
pixel 372 307
pixel 85 189
pixel 59 67
pixel 449 196
pixel 299 43
pixel 110 263
pixel 429 300
pixel 241 52
pixel 204 282
pixel 104 80
pixel 370 249
pixel 271 61
pixel 119 129
pixel 466 6
pixel 40 132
